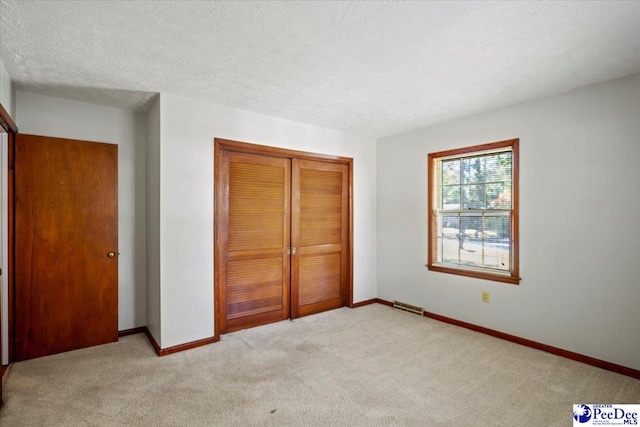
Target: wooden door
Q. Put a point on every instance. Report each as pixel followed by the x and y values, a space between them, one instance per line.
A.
pixel 253 237
pixel 319 234
pixel 66 245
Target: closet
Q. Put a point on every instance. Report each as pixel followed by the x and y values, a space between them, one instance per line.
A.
pixel 283 234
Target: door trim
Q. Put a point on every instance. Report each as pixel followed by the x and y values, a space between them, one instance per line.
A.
pixel 221 145
pixel 7 122
pixel 8 126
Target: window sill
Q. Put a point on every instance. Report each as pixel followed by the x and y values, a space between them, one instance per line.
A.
pixel 514 280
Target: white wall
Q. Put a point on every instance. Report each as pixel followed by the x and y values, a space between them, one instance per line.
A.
pixel 47 116
pixel 579 216
pixel 188 129
pixel 7 92
pixel 152 179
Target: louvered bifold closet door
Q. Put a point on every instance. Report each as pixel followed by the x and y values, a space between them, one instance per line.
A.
pixel 319 232
pixel 254 269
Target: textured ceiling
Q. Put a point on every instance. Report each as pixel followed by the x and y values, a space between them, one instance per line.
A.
pixel 372 68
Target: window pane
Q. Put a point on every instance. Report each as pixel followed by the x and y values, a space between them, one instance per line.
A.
pixel 450 238
pixel 475 240
pixel 470 244
pixel 450 227
pixel 498 195
pixel 473 197
pixel 497 242
pixel 473 170
pixel 498 167
pixel 471 252
pixel 438 251
pixel 496 254
pixel 451 172
pixel 471 226
pixel 497 226
pixel 451 198
pixel 450 250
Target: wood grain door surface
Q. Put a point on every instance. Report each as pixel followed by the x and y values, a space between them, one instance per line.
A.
pixel 319 232
pixel 66 224
pixel 254 276
pixel 283 230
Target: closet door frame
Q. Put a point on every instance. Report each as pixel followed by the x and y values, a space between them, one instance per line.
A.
pixel 221 145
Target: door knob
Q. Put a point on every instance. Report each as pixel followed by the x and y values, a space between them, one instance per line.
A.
pixel 111 254
pixel 293 251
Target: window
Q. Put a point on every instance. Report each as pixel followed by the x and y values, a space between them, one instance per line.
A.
pixel 473 211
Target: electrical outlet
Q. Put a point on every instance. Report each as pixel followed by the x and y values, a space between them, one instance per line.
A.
pixel 485 296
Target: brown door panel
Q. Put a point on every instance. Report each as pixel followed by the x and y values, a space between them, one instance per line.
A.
pixel 319 232
pixel 254 230
pixel 66 224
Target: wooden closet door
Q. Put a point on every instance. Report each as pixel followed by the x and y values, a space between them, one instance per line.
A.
pixel 254 232
pixel 319 232
pixel 66 245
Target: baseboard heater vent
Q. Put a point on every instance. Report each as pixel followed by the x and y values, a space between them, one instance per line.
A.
pixel 410 308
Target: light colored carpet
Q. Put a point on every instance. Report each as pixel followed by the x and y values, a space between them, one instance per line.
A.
pixel 371 366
